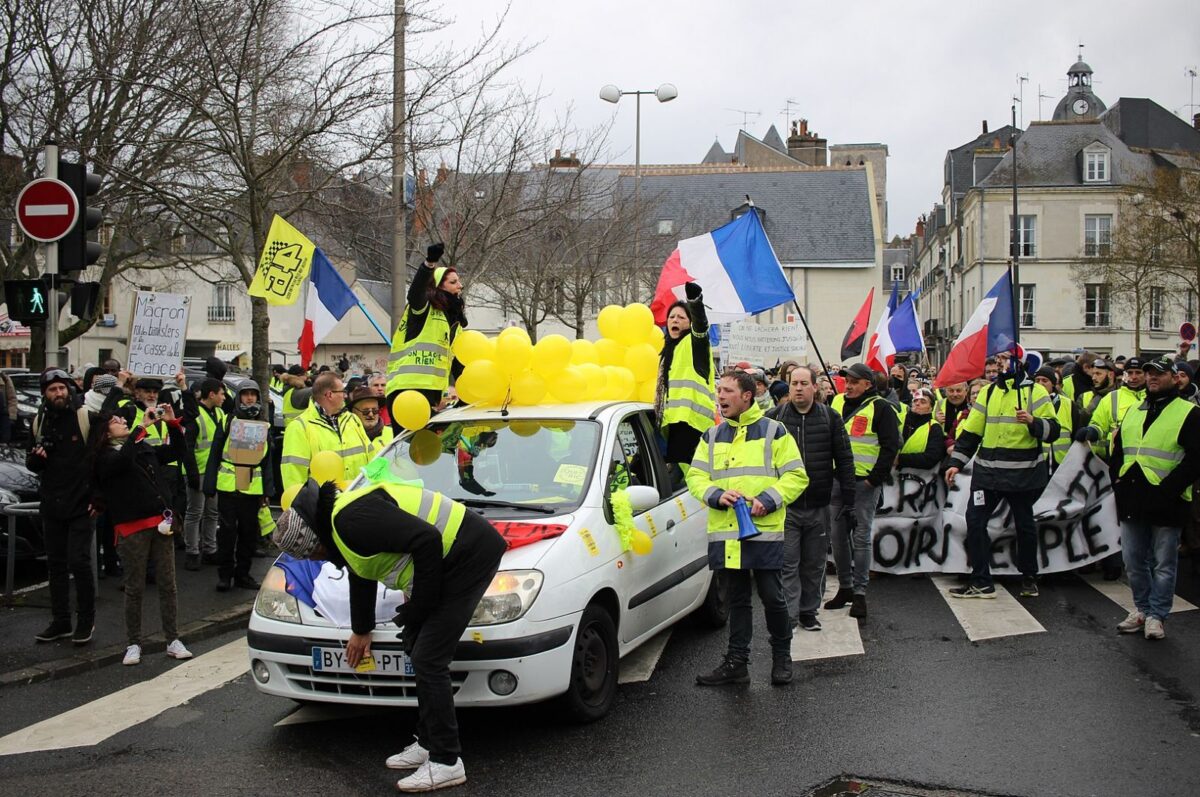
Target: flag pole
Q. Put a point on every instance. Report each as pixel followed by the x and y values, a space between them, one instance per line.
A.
pixel 374 323
pixel 813 340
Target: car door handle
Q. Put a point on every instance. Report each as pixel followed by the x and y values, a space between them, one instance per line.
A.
pixel 670 525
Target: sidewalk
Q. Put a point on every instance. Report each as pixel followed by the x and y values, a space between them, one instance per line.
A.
pixel 203 612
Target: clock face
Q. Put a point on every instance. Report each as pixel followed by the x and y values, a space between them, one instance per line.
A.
pixel 1080 107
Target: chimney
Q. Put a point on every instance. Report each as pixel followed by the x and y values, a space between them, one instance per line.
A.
pixel 806 146
pixel 1196 120
pixel 985 130
pixel 920 232
pixel 442 173
pixel 559 162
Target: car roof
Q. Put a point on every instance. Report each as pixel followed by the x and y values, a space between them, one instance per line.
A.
pixel 581 411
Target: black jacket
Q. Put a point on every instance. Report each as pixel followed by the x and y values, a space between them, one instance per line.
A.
pixel 935 449
pixel 65 478
pixel 887 427
pixel 126 477
pixel 1160 505
pixel 825 449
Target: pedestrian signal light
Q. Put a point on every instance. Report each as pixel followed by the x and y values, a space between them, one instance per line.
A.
pixel 26 300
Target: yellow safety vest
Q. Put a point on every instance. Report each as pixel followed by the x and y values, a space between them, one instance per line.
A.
pixel 422 363
pixel 395 570
pixel 864 441
pixel 206 430
pixel 918 441
pixel 381 442
pixel 290 411
pixel 690 396
pixel 1006 443
pixel 1156 450
pixel 227 474
pixel 1059 447
pixel 311 433
pixel 1109 414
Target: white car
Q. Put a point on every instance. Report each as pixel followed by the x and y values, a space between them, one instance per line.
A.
pixel 563 609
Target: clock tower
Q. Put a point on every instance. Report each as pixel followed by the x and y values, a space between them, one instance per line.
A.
pixel 1080 103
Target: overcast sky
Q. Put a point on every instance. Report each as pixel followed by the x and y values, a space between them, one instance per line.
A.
pixel 918 76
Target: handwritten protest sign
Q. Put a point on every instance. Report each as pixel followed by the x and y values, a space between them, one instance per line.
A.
pixel 921 526
pixel 763 344
pixel 157 333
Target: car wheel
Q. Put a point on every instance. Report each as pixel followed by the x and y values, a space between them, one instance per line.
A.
pixel 714 612
pixel 594 664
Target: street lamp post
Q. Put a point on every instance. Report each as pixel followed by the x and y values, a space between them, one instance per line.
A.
pixel 664 93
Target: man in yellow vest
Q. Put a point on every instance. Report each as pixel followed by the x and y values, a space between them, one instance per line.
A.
pixel 1067 412
pixel 1103 382
pixel 326 425
pixel 1107 411
pixel 442 557
pixel 874 431
pixel 1004 432
pixel 1156 460
pixel 749 464
pixel 200 522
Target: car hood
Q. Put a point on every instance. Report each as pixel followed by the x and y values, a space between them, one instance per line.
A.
pixel 14 475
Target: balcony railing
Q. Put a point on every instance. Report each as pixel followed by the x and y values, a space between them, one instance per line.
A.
pixel 221 315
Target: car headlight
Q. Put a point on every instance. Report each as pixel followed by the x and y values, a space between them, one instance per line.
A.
pixel 273 600
pixel 508 597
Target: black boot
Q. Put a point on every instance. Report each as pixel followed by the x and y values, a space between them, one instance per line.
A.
pixel 858 607
pixel 840 600
pixel 727 672
pixel 781 670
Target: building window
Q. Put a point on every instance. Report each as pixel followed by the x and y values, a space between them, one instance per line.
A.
pixel 666 227
pixel 1097 235
pixel 1095 305
pixel 897 273
pixel 221 311
pixel 1189 310
pixel 1095 167
pixel 1026 232
pixel 178 243
pixel 1157 301
pixel 1028 319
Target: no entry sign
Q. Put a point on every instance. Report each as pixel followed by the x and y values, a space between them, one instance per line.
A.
pixel 47 209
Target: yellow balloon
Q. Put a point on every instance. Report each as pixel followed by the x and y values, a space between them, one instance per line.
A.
pixel 610 352
pixel 637 315
pixel 583 351
pixel 514 352
pixel 641 542
pixel 524 428
pixel 486 381
pixel 465 387
pixel 289 495
pixel 646 391
pixel 425 447
pixel 326 466
pixel 528 389
pixel 570 385
pixel 619 383
pixel 642 360
pixel 471 345
pixel 609 321
pixel 411 410
pixel 551 354
pixel 656 338
pixel 596 380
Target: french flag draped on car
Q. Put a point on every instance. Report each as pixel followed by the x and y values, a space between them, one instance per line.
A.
pixel 734 264
pixel 990 330
pixel 329 298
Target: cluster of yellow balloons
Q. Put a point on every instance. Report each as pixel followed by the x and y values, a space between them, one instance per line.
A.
pixel 622 364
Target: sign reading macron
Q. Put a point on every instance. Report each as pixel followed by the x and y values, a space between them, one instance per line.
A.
pixel 763 344
pixel 157 333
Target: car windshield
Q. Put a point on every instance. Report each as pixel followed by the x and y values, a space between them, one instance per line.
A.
pixel 541 465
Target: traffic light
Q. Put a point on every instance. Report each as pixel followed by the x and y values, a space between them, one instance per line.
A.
pixel 26 301
pixel 78 249
pixel 84 296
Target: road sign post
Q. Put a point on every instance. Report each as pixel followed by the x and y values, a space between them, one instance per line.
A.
pixel 52 269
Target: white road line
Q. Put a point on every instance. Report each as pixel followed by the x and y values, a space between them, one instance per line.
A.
pixel 94 722
pixel 988 619
pixel 1118 592
pixel 638 666
pixel 31 588
pixel 839 635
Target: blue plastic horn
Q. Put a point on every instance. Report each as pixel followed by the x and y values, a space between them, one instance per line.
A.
pixel 746 528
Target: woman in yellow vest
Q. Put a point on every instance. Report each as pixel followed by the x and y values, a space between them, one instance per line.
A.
pixel 924 444
pixel 685 401
pixel 421 359
pixel 441 556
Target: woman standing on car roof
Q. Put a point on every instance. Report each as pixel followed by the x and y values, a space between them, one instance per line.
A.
pixel 684 402
pixel 421 359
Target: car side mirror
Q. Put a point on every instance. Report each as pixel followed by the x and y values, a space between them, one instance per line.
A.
pixel 642 497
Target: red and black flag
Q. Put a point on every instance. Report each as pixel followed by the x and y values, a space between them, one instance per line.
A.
pixel 852 344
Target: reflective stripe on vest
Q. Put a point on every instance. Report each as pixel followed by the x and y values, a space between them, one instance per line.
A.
pixel 395 570
pixel 422 363
pixel 206 428
pixel 1059 447
pixel 750 477
pixel 1156 450
pixel 690 397
pixel 918 441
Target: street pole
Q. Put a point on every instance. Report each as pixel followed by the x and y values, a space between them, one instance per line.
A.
pixel 51 252
pixel 399 260
pixel 1015 274
pixel 637 178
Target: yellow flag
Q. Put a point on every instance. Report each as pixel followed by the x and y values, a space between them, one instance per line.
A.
pixel 284 264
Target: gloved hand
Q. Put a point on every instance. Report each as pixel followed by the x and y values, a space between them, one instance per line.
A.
pixel 434 253
pixel 408 638
pixel 1086 434
pixel 847 515
pixel 692 290
pixel 400 620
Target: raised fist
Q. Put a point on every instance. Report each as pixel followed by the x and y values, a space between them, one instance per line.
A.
pixel 692 290
pixel 434 253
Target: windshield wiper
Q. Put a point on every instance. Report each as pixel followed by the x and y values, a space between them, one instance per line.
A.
pixel 489 502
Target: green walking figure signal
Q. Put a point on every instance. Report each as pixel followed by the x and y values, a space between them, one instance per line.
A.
pixel 36 303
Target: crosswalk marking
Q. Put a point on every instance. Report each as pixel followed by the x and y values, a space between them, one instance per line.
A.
pixel 1118 592
pixel 638 666
pixel 839 634
pixel 94 722
pixel 988 619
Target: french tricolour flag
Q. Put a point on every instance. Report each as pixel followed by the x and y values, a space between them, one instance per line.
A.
pixel 736 267
pixel 880 351
pixel 329 298
pixel 990 330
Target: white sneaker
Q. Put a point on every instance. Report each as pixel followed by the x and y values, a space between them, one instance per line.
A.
pixel 176 650
pixel 133 655
pixel 1154 628
pixel 411 757
pixel 432 775
pixel 1132 624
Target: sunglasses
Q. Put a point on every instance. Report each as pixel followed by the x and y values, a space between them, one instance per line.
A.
pixel 366 412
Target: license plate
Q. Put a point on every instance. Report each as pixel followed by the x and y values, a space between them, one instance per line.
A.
pixel 380 662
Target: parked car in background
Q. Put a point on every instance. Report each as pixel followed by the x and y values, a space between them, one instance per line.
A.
pixel 19 485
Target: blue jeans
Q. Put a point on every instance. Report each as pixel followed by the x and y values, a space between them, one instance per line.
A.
pixel 1151 559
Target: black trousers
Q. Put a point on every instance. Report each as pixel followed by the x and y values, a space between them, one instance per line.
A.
pixel 979 543
pixel 439 633
pixel 237 533
pixel 69 553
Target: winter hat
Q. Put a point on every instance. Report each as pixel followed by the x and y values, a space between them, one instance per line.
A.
pixel 1185 369
pixel 778 390
pixel 216 368
pixel 103 383
pixel 1047 372
pixel 294 536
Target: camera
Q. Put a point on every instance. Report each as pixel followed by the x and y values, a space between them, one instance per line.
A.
pixel 158 412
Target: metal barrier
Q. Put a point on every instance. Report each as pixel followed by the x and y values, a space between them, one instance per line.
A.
pixel 13 511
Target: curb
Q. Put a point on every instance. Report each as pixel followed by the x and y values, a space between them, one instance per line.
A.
pixel 215 624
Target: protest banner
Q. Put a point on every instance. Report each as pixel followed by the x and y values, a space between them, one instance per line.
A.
pixel 921 526
pixel 763 344
pixel 157 333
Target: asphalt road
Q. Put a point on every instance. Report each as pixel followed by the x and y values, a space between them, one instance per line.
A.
pixel 1077 710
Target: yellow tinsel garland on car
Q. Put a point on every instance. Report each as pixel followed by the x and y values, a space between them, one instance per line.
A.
pixel 632 538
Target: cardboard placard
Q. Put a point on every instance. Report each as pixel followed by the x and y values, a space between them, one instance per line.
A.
pixel 157 333
pixel 247 448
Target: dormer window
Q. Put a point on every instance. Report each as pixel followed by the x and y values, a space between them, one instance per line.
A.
pixel 1095 166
